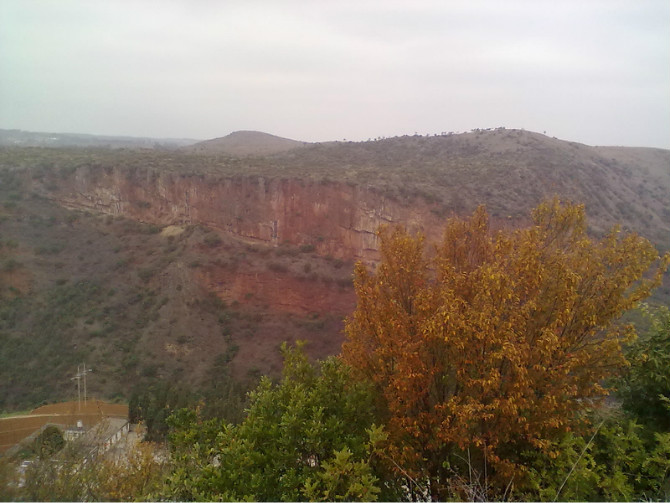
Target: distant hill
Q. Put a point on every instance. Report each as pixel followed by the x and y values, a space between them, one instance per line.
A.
pixel 20 138
pixel 246 143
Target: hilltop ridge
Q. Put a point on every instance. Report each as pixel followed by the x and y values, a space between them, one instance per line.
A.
pixel 246 143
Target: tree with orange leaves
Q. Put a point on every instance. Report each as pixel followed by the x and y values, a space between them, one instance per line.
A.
pixel 493 343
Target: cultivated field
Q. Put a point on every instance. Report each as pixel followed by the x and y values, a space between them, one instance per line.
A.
pixel 14 429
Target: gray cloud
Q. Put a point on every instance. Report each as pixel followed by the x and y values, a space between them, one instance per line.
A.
pixel 590 71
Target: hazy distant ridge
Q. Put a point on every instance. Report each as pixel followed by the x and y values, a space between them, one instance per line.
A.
pixel 19 138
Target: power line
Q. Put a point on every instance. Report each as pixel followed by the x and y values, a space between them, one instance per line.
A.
pixel 81 373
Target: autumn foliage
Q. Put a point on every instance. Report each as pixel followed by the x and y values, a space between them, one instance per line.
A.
pixel 490 344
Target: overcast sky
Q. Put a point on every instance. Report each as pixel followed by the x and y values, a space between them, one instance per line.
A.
pixel 597 72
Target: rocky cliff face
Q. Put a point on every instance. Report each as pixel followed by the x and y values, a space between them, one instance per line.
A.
pixel 332 219
pixel 337 219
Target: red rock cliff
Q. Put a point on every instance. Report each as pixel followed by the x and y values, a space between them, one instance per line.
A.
pixel 338 219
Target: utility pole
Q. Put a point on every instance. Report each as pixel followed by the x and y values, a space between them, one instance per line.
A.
pixel 77 377
pixel 81 372
pixel 84 372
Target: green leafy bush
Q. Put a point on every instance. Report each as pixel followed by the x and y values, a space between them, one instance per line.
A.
pixel 645 390
pixel 310 436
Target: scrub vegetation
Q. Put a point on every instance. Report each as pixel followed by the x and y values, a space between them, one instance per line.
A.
pixel 514 359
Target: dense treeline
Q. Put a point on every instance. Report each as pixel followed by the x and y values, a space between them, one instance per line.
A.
pixel 491 366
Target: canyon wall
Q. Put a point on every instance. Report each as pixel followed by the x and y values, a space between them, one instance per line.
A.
pixel 338 219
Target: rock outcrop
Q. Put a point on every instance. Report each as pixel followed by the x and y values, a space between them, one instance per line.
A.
pixel 337 219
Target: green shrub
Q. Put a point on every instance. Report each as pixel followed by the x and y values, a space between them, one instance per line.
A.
pixel 212 240
pixel 11 264
pixel 645 389
pixel 277 267
pixel 146 273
